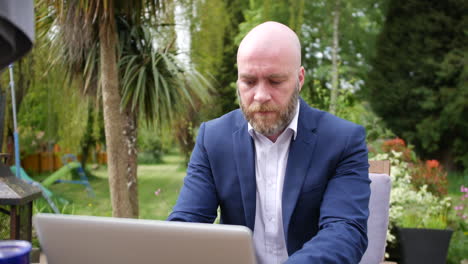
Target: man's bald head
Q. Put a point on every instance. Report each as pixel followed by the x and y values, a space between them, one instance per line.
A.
pixel 271 39
pixel 269 78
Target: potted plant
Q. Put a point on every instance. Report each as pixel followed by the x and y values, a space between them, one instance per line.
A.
pixel 418 208
pixel 422 230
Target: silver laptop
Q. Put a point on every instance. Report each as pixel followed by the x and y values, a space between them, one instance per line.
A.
pixel 71 239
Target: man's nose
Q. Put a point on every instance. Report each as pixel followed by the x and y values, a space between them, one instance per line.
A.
pixel 262 93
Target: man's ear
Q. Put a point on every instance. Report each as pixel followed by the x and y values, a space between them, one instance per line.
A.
pixel 301 77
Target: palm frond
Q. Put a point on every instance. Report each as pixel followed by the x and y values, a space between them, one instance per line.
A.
pixel 154 82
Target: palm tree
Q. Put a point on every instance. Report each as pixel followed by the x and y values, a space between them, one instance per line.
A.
pixel 107 46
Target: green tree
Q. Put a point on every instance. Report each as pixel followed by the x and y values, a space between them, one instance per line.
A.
pixel 213 49
pixel 49 111
pixel 335 50
pixel 213 53
pixel 115 56
pixel 337 39
pixel 288 12
pixel 418 82
pixel 351 36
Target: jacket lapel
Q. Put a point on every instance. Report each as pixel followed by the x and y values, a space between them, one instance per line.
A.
pixel 299 160
pixel 244 157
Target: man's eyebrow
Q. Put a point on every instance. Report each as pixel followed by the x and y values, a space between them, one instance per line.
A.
pixel 278 76
pixel 246 76
pixel 271 76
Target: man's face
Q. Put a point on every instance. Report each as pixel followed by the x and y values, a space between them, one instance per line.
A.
pixel 268 89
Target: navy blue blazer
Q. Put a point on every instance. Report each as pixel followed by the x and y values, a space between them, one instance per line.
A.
pixel 326 187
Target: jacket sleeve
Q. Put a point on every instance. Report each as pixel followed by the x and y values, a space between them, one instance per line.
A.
pixel 198 201
pixel 342 236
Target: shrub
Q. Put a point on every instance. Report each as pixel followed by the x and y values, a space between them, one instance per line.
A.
pixel 459 222
pixel 461 208
pixel 32 141
pixel 417 81
pixel 5 224
pixel 398 145
pixel 431 174
pixel 151 146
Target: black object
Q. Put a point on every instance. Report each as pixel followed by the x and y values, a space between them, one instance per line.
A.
pixel 424 246
pixel 16 30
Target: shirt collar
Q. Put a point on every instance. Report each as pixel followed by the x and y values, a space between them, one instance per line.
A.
pixel 292 125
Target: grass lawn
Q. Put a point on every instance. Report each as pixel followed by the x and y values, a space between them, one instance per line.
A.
pixel 166 177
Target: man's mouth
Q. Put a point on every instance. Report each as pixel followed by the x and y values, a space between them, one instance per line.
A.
pixel 265 112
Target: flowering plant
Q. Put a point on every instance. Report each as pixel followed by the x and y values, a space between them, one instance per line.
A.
pixel 461 209
pixel 398 145
pixel 431 174
pixel 412 206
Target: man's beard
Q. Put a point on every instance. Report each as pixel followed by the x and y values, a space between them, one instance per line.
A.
pixel 270 125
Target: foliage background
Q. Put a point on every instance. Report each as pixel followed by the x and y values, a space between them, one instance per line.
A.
pixel 402 72
pixel 418 81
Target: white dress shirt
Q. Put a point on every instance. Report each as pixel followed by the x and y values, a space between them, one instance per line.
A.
pixel 270 168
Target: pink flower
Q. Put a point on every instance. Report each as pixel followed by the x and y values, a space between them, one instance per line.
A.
pixel 157 192
pixel 459 207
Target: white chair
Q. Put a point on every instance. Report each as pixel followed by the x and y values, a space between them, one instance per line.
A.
pixel 379 202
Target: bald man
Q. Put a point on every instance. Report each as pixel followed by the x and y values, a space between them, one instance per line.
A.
pixel 296 176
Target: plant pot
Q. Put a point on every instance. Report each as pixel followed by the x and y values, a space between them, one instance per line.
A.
pixel 419 245
pixel 35 255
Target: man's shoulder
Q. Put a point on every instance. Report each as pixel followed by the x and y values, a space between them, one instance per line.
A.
pixel 217 132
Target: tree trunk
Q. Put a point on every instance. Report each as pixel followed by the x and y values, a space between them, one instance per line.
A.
pixel 120 130
pixel 25 72
pixel 87 140
pixel 130 132
pixel 335 84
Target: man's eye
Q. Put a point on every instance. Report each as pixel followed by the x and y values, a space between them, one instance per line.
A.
pixel 275 82
pixel 249 82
